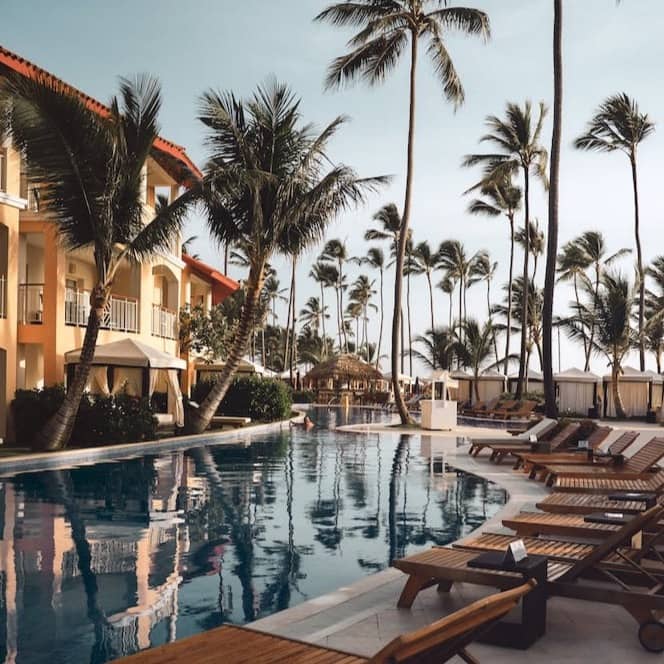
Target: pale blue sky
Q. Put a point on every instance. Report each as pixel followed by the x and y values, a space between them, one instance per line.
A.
pixel 236 44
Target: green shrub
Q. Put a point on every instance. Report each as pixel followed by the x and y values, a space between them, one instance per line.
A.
pixel 100 420
pixel 303 396
pixel 261 399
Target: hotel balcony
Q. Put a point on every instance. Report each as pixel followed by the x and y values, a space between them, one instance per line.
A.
pixel 121 313
pixel 164 322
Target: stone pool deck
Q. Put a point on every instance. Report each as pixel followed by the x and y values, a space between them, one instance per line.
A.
pixel 363 617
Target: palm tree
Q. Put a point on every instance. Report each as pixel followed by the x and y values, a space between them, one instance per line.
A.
pixel 361 292
pixel 500 198
pixel 475 348
pixel 335 251
pixel 484 270
pixel 517 143
pixel 186 244
pixel 438 348
pixel 458 267
pixel 534 243
pixel 90 170
pixel 655 310
pixel 447 285
pixel 386 29
pixel 552 228
pixel 614 338
pixel 313 315
pixel 375 258
pixel 273 293
pixel 268 185
pixel 425 261
pixel 619 125
pixel 325 276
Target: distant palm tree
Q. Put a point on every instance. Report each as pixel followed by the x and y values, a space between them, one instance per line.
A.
pixel 501 197
pixel 90 169
pixel 336 252
pixel 386 29
pixel 274 293
pixel 361 292
pixel 614 337
pixel 271 185
pixel 517 148
pixel 325 276
pixel 447 285
pixel 619 125
pixel 313 314
pixel 187 244
pixel 535 243
pixel 438 348
pixel 425 261
pixel 485 270
pixel 375 258
pixel 655 310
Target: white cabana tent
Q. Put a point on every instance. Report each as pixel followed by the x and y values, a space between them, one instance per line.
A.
pixel 406 383
pixel 638 390
pixel 139 369
pixel 464 392
pixel 577 391
pixel 534 382
pixel 490 384
pixel 208 370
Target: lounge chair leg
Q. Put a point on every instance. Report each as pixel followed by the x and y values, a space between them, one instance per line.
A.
pixel 411 590
pixel 467 657
pixel 444 586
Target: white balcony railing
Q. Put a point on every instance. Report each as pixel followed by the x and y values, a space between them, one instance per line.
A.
pixel 31 304
pixel 121 312
pixel 164 322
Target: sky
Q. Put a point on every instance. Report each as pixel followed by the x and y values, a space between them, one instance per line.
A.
pixel 236 45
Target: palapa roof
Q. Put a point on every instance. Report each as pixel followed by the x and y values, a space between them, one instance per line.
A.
pixel 345 366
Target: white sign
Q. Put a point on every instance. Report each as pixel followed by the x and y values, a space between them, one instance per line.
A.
pixel 518 551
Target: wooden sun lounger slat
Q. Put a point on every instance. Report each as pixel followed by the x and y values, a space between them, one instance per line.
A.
pixel 586 503
pixel 563 437
pixel 651 484
pixel 564 525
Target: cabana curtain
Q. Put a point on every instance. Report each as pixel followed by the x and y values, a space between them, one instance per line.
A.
pixel 129 380
pixel 175 405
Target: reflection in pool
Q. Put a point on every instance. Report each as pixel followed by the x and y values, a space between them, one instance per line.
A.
pixel 100 561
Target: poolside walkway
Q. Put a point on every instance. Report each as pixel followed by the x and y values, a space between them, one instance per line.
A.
pixel 363 617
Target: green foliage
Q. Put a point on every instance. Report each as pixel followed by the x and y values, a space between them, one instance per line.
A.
pixel 261 399
pixel 100 421
pixel 207 333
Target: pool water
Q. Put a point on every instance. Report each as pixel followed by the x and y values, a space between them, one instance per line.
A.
pixel 100 561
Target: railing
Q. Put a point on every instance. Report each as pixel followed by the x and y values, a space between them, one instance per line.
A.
pixel 31 304
pixel 3 296
pixel 164 322
pixel 121 313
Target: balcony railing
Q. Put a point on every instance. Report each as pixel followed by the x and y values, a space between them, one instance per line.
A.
pixel 121 313
pixel 31 304
pixel 164 322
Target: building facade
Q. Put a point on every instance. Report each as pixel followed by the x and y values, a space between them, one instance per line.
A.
pixel 45 289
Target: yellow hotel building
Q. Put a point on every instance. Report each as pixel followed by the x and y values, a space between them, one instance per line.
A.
pixel 44 290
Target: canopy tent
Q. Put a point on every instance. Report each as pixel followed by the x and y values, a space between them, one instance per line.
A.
pixel 491 384
pixel 640 391
pixel 577 391
pixel 406 382
pixel 534 382
pixel 137 369
pixel 208 370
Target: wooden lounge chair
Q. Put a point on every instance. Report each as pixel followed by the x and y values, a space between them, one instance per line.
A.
pixel 562 438
pixel 585 503
pixel 482 408
pixel 653 483
pixel 645 459
pixel 533 463
pixel 522 411
pixel 540 430
pixel 594 577
pixel 230 421
pixel 439 642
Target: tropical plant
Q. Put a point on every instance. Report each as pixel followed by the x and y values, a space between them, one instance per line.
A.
pixel 534 243
pixel 438 350
pixel 619 125
pixel 425 261
pixel 447 285
pixel 385 29
pixel 517 142
pixel 270 184
pixel 375 259
pixel 485 270
pixel 187 244
pixel 614 337
pixel 314 314
pixel 89 168
pixel 326 277
pixel 336 253
pixel 274 293
pixel 361 292
pixel 500 197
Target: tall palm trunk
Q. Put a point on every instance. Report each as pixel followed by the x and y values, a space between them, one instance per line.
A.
pixel 509 293
pixel 341 305
pixel 586 346
pixel 410 328
pixel 523 369
pixel 430 298
pixel 615 391
pixel 293 358
pixel 199 419
pixel 336 295
pixel 403 239
pixel 380 331
pixel 287 326
pixel 322 303
pixel 402 345
pixel 493 330
pixel 449 324
pixel 592 323
pixel 639 264
pixel 57 431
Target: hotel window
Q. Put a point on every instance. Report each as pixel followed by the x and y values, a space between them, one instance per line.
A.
pixel 3 169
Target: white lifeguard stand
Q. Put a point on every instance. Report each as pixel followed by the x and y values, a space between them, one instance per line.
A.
pixel 439 413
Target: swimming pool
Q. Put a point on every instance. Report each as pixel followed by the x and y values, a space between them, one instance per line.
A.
pixel 100 561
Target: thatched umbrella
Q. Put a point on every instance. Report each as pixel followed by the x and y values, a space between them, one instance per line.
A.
pixel 341 372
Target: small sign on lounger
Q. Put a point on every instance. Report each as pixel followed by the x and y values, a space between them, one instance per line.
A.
pixel 516 552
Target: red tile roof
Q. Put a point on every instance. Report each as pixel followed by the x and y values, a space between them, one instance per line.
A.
pixel 222 286
pixel 172 154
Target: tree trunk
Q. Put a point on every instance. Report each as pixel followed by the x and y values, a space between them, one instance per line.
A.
pixel 430 299
pixel 200 418
pixel 380 331
pixel 410 328
pixel 523 369
pixel 287 326
pixel 293 360
pixel 493 330
pixel 403 239
pixel 592 326
pixel 322 304
pixel 615 391
pixel 56 432
pixel 450 314
pixel 509 294
pixel 639 265
pixel 402 337
pixel 586 351
pixel 339 321
pixel 341 305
